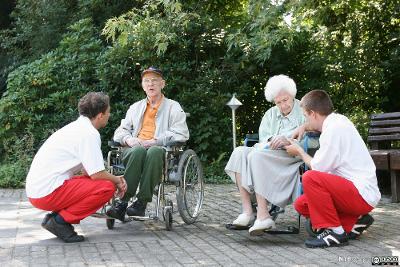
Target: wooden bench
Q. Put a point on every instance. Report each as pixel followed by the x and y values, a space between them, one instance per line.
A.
pixel 384 132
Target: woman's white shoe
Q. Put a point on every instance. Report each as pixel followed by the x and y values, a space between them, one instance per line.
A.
pixel 244 220
pixel 260 226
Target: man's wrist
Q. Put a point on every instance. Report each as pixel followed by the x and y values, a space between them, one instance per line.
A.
pixel 303 154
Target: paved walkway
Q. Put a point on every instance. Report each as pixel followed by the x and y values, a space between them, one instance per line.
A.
pixel 24 243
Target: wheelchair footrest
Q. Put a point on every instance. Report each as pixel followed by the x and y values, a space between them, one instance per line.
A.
pixel 289 231
pixel 142 218
pixel 100 215
pixel 230 226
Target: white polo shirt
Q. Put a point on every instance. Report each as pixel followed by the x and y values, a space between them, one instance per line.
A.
pixel 343 152
pixel 65 153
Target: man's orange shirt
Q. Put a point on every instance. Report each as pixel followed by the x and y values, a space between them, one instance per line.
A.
pixel 149 122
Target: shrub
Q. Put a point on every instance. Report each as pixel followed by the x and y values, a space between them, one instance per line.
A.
pixel 12 175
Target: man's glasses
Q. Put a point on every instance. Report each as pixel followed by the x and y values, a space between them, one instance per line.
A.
pixel 148 81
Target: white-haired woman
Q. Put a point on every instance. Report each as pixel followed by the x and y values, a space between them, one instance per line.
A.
pixel 253 168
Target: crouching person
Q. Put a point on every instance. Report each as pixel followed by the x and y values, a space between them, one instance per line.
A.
pixel 341 188
pixel 54 183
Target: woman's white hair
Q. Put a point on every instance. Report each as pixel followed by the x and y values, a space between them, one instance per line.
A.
pixel 279 83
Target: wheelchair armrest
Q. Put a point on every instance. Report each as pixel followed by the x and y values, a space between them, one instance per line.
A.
pixel 251 139
pixel 175 143
pixel 311 142
pixel 114 144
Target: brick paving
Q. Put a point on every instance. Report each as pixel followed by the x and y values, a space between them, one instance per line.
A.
pixel 206 243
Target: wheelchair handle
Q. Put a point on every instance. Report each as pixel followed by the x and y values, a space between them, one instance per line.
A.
pixel 313 134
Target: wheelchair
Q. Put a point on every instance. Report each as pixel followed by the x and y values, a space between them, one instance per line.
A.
pixel 274 210
pixel 182 169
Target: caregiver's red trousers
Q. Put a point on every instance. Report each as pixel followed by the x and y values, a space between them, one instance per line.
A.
pixel 330 201
pixel 77 198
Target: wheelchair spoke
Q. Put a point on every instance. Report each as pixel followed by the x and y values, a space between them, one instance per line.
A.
pixel 191 192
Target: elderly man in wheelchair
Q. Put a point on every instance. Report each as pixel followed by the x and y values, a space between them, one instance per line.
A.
pixel 266 169
pixel 145 134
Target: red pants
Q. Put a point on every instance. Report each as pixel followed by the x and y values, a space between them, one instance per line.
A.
pixel 330 201
pixel 77 198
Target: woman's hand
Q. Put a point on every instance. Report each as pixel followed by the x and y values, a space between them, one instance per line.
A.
pixel 279 142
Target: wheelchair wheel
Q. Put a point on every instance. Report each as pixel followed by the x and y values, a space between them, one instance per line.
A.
pixel 167 204
pixel 190 192
pixel 110 223
pixel 168 217
pixel 313 232
pixel 275 211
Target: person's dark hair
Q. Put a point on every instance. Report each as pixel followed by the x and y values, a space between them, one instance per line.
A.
pixel 317 101
pixel 93 103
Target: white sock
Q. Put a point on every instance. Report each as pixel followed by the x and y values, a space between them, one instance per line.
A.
pixel 337 230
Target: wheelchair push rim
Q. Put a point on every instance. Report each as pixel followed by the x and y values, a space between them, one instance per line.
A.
pixel 190 192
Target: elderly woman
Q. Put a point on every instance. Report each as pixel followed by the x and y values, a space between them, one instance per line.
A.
pixel 266 168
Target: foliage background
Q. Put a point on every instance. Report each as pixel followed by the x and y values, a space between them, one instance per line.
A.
pixel 53 52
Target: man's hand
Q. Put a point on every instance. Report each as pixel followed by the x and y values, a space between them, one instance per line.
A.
pixel 148 143
pixel 294 149
pixel 121 187
pixel 278 142
pixel 299 132
pixel 132 141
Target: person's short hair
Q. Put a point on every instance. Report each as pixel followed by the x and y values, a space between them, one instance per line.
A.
pixel 317 101
pixel 93 103
pixel 153 70
pixel 279 83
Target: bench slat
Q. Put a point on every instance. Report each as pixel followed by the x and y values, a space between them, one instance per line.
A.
pixel 388 137
pixel 385 115
pixel 385 123
pixel 381 159
pixel 384 130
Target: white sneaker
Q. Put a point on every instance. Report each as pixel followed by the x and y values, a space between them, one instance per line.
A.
pixel 244 220
pixel 260 226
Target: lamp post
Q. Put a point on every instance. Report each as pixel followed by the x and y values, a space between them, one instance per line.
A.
pixel 234 103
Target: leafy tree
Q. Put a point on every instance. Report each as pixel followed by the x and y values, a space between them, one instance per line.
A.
pixel 6 6
pixel 42 95
pixel 38 26
pixel 189 46
pixel 343 47
pixel 208 49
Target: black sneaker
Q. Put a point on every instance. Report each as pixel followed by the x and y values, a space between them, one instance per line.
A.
pixel 328 238
pixel 63 231
pixel 361 225
pixel 118 210
pixel 138 208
